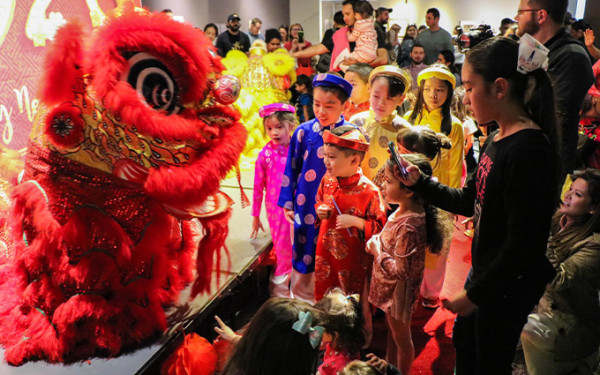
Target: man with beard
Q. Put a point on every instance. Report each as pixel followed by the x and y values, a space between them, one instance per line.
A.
pixel 417 55
pixel 382 16
pixel 569 66
pixel 233 38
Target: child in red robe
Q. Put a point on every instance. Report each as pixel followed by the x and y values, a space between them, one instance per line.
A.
pixel 350 211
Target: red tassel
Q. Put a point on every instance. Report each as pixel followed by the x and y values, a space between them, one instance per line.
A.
pixel 215 231
pixel 238 173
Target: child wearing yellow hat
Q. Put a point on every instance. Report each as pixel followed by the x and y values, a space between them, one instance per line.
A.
pixel 432 108
pixel 381 123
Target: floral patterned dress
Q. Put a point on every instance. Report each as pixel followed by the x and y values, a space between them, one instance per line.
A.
pixel 398 271
pixel 341 259
pixel 268 174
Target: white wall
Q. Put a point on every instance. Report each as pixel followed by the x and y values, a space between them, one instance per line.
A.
pixel 194 12
pixel 306 13
pixel 200 12
pixel 413 11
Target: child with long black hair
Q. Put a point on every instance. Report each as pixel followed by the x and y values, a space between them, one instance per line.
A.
pixel 513 195
pixel 399 252
pixel 433 109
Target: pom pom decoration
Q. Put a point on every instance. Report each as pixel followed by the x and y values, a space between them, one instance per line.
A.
pixel 195 356
pixel 227 89
pixel 235 62
pixel 265 79
pixel 64 126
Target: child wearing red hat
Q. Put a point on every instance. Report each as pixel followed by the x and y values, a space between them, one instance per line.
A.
pixel 350 211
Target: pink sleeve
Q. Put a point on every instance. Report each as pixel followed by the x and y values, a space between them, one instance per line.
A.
pixel 260 182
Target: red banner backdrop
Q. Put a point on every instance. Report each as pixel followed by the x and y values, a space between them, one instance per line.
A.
pixel 26 28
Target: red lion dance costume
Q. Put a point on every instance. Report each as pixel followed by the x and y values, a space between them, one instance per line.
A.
pixel 129 144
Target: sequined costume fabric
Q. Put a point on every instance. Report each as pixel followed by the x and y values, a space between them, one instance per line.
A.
pixel 398 271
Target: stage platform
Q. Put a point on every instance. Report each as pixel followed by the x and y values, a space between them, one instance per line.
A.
pixel 186 315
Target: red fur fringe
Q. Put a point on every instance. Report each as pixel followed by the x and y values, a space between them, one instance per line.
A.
pixel 195 356
pixel 55 123
pixel 182 49
pixel 63 65
pixel 84 288
pixel 201 179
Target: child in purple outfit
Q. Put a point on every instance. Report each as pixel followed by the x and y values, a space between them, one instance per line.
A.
pixel 279 120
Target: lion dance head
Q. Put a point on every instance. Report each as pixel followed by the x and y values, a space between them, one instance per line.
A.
pixel 132 140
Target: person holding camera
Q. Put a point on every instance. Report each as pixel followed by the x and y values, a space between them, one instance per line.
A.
pixel 295 43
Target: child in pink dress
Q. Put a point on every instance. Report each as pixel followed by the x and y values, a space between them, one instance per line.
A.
pixel 399 252
pixel 279 120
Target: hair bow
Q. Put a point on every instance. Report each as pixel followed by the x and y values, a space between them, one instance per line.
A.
pixel 303 326
pixel 533 55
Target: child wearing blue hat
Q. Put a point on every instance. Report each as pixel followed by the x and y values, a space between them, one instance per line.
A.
pixel 303 173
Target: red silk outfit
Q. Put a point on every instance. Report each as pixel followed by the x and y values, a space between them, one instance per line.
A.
pixel 341 259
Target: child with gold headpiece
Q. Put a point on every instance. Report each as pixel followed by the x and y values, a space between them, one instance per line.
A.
pixel 389 85
pixel 350 211
pixel 434 102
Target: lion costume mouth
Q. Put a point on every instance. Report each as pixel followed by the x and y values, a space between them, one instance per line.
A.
pixel 141 107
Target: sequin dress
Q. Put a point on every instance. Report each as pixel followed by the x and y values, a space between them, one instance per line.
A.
pixel 398 270
pixel 341 257
pixel 269 168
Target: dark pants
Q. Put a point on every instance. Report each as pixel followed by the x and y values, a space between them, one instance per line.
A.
pixel 486 341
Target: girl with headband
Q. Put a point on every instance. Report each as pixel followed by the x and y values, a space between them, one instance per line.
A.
pixel 432 109
pixel 279 120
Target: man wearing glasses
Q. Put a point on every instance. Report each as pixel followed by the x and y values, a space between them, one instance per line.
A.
pixel 569 66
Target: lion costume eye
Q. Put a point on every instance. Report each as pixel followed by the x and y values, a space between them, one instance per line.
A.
pixel 153 82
